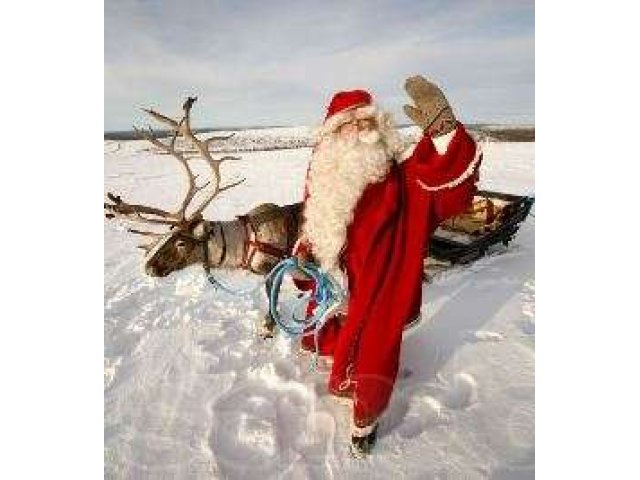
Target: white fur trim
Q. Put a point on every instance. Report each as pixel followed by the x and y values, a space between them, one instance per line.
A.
pixel 358 113
pixel 367 111
pixel 362 431
pixel 442 142
pixel 457 181
pixel 346 401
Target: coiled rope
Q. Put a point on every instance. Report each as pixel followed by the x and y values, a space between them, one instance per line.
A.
pixel 327 294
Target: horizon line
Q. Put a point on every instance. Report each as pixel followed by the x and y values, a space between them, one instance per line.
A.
pixel 263 127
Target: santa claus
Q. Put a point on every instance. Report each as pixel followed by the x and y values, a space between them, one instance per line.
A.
pixel 370 207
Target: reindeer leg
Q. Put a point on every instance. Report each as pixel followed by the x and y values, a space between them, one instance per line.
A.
pixel 268 327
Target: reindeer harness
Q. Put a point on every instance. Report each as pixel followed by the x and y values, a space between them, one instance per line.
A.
pixel 253 244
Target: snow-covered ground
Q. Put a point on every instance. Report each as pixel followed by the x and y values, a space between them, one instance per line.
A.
pixel 190 390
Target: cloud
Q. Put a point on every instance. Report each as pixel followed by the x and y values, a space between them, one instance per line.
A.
pixel 278 62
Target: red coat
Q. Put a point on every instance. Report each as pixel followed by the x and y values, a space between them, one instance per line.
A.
pixel 383 255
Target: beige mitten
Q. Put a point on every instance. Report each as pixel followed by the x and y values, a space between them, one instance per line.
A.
pixel 432 111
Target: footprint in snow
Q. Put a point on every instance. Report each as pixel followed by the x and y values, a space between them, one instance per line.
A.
pixel 263 425
pixel 244 435
pixel 484 336
pixel 317 439
pixel 461 392
pixel 423 412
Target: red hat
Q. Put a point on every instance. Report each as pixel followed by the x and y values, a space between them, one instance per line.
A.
pixel 342 101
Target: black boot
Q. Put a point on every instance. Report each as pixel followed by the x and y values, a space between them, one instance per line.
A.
pixel 362 441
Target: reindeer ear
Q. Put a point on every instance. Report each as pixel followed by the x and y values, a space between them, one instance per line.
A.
pixel 199 230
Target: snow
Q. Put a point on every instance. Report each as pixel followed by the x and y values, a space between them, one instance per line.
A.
pixel 190 391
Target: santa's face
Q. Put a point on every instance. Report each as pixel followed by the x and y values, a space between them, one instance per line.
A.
pixel 351 128
pixel 355 150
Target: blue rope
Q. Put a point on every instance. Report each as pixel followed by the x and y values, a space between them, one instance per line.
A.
pixel 218 284
pixel 327 294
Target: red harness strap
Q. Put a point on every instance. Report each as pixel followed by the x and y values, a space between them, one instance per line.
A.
pixel 252 245
pixel 267 248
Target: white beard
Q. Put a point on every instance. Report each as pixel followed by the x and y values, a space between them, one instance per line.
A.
pixel 339 173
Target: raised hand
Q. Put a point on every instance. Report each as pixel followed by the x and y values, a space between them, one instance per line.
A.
pixel 432 111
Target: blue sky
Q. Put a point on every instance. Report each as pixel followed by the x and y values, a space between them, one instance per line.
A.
pixel 279 62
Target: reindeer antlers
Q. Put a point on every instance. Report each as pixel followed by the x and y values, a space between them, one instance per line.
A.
pixel 152 215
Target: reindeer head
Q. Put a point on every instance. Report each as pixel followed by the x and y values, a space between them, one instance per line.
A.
pixel 175 250
pixel 185 242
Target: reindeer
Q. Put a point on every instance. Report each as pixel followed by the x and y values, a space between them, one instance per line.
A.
pixel 256 241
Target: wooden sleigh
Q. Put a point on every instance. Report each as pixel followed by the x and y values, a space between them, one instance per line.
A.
pixel 493 219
